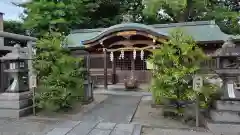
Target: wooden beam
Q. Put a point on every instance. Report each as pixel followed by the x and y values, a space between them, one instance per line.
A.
pixel 132 42
pixel 149 48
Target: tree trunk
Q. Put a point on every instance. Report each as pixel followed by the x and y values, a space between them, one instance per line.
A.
pixel 186 12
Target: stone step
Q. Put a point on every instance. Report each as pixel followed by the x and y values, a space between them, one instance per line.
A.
pixel 223 128
pixel 225 116
pixel 227 105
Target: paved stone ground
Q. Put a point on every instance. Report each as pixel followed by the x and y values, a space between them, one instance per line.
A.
pixel 110 117
pixel 115 109
pixel 93 128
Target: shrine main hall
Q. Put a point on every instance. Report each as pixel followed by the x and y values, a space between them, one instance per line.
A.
pixel 115 52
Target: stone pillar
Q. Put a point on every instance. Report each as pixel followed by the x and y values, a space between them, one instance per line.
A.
pixel 1 29
pixel 16 101
pixel 2 77
pixel 105 69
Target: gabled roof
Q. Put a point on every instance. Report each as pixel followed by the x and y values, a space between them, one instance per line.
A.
pixel 201 31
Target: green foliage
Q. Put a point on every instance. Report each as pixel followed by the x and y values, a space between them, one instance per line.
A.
pixel 64 15
pixel 175 63
pixel 13 27
pixel 224 12
pixel 59 74
pixel 209 93
pixel 43 16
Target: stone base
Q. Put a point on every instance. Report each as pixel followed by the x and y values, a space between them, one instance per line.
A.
pixel 225 117
pixel 88 101
pixel 15 105
pixel 220 128
pixel 227 105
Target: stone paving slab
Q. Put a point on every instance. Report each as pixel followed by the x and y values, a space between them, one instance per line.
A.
pixel 107 126
pixel 84 128
pixel 93 128
pixel 100 132
pixel 115 109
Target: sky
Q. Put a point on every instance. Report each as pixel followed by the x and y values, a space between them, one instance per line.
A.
pixel 10 11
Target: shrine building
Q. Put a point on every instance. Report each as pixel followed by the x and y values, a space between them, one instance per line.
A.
pixel 116 51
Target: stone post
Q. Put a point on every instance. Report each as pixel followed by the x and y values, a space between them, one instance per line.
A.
pixel 1 29
pixel 16 101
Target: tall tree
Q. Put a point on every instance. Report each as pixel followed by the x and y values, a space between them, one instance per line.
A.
pixel 14 27
pixel 64 15
pixel 226 13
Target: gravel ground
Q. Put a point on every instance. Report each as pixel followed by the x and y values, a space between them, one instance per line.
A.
pixel 153 117
pixel 155 124
pixel 160 131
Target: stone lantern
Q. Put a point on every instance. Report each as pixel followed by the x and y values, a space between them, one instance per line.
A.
pixel 17 69
pixel 228 68
pixel 16 101
pixel 225 113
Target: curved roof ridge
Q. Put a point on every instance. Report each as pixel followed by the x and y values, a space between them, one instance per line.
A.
pixel 131 25
pixel 212 22
pixel 87 30
pixel 123 27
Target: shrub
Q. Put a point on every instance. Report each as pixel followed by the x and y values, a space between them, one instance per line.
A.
pixel 60 79
pixel 175 62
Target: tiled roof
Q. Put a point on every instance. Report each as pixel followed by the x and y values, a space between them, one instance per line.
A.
pixel 201 31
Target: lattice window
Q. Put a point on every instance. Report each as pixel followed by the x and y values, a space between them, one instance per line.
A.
pixel 123 64
pixel 141 64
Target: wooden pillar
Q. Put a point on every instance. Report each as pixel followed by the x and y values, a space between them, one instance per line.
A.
pixel 105 68
pixel 114 70
pixel 132 63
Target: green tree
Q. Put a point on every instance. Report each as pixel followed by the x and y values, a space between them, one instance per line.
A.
pixel 13 27
pixel 226 13
pixel 175 62
pixel 59 74
pixel 64 15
